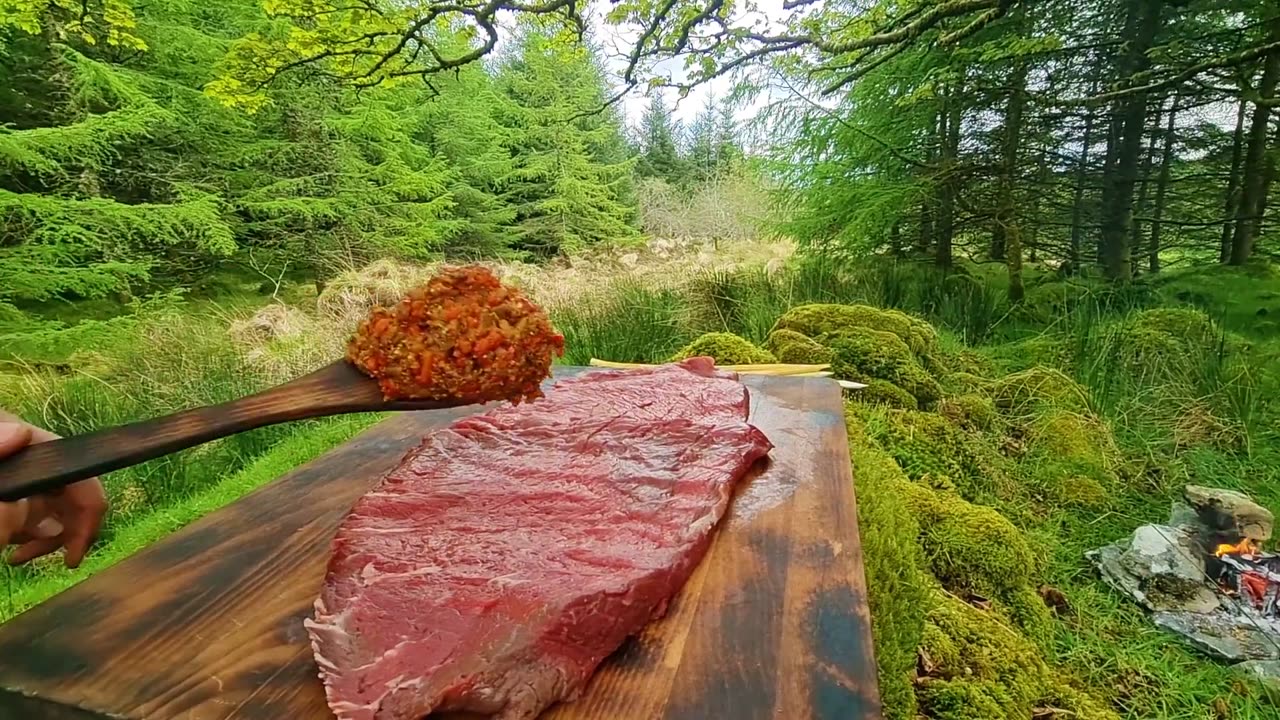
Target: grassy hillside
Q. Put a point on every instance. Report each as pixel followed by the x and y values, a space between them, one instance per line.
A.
pixel 994 446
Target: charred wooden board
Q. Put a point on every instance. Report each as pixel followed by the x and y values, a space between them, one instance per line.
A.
pixel 207 624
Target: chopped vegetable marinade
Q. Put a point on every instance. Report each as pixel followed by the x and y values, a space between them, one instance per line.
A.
pixel 462 336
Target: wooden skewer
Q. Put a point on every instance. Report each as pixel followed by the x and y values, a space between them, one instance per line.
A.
pixel 335 389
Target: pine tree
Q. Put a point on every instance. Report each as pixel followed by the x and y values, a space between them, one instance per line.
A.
pixel 570 180
pixel 659 133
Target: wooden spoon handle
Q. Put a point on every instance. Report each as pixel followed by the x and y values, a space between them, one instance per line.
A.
pixel 333 390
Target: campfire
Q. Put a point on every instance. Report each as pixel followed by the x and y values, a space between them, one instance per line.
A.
pixel 1204 575
pixel 1246 573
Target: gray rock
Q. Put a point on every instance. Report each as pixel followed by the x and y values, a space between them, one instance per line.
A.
pixel 1230 637
pixel 1161 567
pixel 1183 515
pixel 1230 512
pixel 1266 673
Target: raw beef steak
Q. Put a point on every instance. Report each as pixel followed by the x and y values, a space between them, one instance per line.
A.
pixel 509 554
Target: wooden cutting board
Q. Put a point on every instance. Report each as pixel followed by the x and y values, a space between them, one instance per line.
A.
pixel 207 623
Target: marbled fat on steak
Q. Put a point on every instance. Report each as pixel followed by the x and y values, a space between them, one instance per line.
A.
pixel 510 553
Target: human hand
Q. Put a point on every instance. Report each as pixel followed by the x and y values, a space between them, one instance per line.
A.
pixel 67 518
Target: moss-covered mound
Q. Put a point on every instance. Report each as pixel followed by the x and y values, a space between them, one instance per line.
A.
pixel 790 346
pixel 883 392
pixel 898 585
pixel 951 588
pixel 978 668
pixel 972 411
pixel 974 549
pixel 727 349
pixel 932 448
pixel 1164 342
pixel 1071 458
pixel 817 320
pixel 863 354
pixel 1038 387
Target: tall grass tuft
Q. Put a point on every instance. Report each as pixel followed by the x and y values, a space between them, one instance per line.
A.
pixel 633 323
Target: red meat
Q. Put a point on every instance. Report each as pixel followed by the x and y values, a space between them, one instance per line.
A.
pixel 508 555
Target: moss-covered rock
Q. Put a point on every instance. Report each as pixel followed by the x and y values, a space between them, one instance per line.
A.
pixel 727 349
pixel 971 547
pixel 931 445
pixel 817 320
pixel 898 583
pixel 970 410
pixel 863 354
pixel 790 346
pixel 1037 387
pixel 961 383
pixel 978 668
pixel 1040 351
pixel 883 392
pixel 1071 459
pixel 1163 342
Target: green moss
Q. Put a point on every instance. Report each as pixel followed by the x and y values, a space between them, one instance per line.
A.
pixel 1071 459
pixel 971 547
pixel 930 445
pixel 981 669
pixel 968 362
pixel 1044 350
pixel 1163 342
pixel 817 320
pixel 883 392
pixel 863 354
pixel 790 346
pixel 960 383
pixel 897 581
pixel 970 410
pixel 727 349
pixel 1036 387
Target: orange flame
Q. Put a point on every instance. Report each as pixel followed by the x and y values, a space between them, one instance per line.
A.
pixel 1245 547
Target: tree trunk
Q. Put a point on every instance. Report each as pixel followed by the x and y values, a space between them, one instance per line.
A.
pixel 1142 24
pixel 926 204
pixel 1233 183
pixel 1144 185
pixel 1254 178
pixel 1006 238
pixel 1269 176
pixel 1162 187
pixel 1082 174
pixel 1032 242
pixel 947 200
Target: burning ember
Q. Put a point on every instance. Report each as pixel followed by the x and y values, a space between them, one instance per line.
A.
pixel 1248 573
pixel 1245 547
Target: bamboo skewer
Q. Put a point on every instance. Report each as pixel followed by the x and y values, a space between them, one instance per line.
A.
pixel 777 369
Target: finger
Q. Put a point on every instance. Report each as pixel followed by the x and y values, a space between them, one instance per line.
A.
pixel 34 549
pixel 13 437
pixel 13 516
pixel 80 534
pixel 83 525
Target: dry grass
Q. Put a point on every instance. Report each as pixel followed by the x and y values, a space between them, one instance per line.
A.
pixel 280 342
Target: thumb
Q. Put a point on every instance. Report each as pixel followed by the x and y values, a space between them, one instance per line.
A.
pixel 13 437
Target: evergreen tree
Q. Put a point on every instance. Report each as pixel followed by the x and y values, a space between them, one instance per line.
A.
pixel 702 153
pixel 659 153
pixel 570 182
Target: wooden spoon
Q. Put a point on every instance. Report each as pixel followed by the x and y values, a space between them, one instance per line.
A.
pixel 332 390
